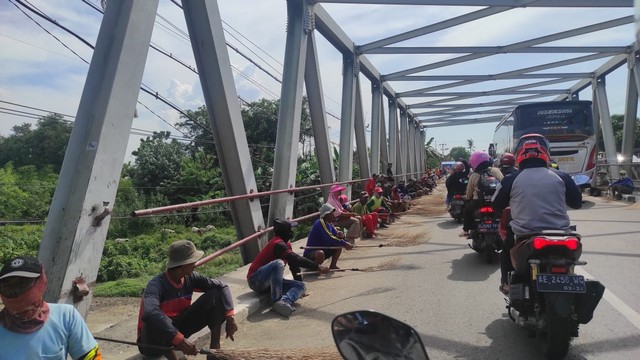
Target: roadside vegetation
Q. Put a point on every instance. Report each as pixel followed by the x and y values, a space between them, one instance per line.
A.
pixel 167 169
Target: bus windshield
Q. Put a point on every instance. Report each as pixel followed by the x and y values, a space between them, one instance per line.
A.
pixel 554 119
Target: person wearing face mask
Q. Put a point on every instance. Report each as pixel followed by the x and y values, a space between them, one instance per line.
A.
pixel 624 185
pixel 266 272
pixel 31 328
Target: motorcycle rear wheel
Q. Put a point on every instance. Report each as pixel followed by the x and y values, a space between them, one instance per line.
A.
pixel 558 337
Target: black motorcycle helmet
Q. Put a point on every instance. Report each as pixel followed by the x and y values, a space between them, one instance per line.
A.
pixel 284 228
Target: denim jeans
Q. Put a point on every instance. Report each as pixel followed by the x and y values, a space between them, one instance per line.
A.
pixel 270 276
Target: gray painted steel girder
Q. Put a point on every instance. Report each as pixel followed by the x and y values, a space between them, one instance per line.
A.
pixel 509 3
pixel 90 173
pixel 313 84
pixel 214 67
pixel 519 45
pixel 361 137
pixel 376 133
pixel 286 152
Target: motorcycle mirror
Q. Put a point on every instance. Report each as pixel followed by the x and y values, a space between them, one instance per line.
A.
pixel 580 179
pixel 365 334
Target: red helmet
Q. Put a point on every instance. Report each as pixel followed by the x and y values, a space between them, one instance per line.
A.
pixel 458 167
pixel 507 159
pixel 532 146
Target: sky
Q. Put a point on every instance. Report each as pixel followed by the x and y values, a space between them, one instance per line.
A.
pixel 38 71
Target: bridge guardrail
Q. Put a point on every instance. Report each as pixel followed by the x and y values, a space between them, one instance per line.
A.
pixel 254 195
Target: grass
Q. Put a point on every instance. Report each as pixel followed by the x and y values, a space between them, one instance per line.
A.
pixel 133 287
pixel 121 288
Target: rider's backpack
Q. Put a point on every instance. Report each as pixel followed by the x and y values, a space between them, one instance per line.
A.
pixel 487 183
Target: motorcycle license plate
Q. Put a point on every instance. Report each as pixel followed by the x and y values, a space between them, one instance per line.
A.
pixel 561 283
pixel 487 227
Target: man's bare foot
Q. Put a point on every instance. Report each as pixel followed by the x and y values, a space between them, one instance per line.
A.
pixel 334 268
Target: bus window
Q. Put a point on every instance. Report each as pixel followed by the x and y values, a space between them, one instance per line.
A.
pixel 554 119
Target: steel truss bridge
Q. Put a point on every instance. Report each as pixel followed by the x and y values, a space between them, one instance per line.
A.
pixel 432 96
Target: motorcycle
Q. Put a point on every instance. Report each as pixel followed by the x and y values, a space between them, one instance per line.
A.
pixel 365 334
pixel 485 233
pixel 456 207
pixel 546 297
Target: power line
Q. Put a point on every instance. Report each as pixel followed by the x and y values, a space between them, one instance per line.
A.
pixel 36 46
pixel 35 108
pixel 47 31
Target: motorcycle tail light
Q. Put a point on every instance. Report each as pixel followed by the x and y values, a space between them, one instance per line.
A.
pixel 558 270
pixel 488 221
pixel 541 242
pixel 486 209
pixel 457 197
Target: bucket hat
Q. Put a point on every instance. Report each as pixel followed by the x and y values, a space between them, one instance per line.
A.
pixel 183 252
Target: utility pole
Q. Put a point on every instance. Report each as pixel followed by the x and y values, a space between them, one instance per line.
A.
pixel 443 148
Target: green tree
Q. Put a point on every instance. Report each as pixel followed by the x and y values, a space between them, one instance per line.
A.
pixel 157 164
pixel 196 126
pixel 432 154
pixel 470 145
pixel 25 192
pixel 459 152
pixel 43 146
pixel 617 122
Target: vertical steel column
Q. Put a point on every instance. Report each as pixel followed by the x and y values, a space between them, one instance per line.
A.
pixel 393 136
pixel 384 145
pixel 631 107
pixel 299 20
pixel 349 75
pixel 417 148
pixel 74 234
pixel 361 137
pixel 412 144
pixel 313 84
pixel 376 100
pixel 423 141
pixel 404 142
pixel 605 122
pixel 214 67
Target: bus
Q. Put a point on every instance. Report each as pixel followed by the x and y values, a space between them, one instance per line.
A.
pixel 568 125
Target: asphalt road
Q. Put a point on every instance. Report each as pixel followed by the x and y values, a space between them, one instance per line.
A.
pixel 450 295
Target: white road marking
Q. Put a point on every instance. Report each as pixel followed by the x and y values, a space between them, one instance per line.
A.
pixel 615 301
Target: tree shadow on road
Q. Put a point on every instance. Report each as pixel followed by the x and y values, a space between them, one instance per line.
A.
pixel 471 267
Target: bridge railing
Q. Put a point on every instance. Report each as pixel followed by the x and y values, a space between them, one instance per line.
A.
pixel 251 195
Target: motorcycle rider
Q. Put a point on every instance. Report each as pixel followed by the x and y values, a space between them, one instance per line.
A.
pixel 508 164
pixel 537 196
pixel 457 182
pixel 480 162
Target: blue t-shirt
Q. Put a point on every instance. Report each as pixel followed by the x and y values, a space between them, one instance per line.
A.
pixel 65 332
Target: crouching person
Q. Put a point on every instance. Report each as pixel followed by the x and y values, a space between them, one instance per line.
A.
pixel 167 316
pixel 266 272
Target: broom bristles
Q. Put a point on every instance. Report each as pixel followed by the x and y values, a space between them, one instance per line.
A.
pixel 275 354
